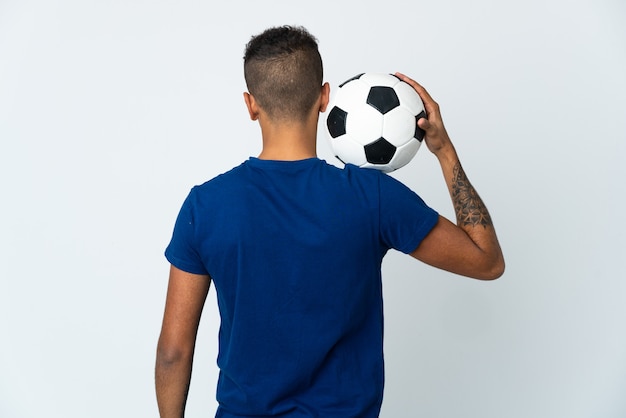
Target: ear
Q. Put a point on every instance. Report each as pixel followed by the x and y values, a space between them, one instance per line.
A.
pixel 325 97
pixel 253 108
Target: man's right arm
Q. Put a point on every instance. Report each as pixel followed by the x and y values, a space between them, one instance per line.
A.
pixel 186 294
pixel 469 248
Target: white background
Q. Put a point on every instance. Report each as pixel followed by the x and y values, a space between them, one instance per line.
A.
pixel 110 111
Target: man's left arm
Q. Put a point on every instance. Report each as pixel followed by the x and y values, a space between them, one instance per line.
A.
pixel 186 295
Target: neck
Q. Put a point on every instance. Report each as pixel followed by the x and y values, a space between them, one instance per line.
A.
pixel 289 141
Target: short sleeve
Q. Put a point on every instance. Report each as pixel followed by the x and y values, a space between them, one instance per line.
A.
pixel 182 250
pixel 405 219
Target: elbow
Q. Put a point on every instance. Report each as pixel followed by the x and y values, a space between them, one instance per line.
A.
pixel 166 358
pixel 494 271
pixel 169 355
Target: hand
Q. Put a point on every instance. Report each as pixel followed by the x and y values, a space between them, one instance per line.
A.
pixel 437 139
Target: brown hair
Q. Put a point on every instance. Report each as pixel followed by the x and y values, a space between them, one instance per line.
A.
pixel 283 71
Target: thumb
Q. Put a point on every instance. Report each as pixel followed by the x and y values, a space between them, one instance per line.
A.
pixel 423 123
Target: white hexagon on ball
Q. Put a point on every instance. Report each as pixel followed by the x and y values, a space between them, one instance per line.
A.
pixel 364 123
pixel 399 126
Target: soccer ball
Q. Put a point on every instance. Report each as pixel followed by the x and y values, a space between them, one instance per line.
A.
pixel 372 122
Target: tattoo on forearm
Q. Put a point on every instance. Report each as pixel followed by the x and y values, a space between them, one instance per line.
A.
pixel 468 206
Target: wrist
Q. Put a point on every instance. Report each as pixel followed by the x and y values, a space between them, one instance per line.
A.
pixel 447 155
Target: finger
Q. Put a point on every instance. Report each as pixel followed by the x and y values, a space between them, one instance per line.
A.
pixel 429 104
pixel 424 124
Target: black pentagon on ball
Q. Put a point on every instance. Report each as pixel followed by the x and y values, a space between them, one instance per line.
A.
pixel 383 99
pixel 356 77
pixel 336 122
pixel 379 151
pixel 419 132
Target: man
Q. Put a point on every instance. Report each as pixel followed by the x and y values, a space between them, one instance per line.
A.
pixel 294 247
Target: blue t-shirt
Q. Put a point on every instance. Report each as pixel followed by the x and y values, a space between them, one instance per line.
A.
pixel 294 249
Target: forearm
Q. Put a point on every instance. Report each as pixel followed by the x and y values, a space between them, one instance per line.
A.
pixel 471 213
pixel 172 377
pixel 469 208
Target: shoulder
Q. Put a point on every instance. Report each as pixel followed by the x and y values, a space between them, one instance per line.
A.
pixel 221 179
pixel 359 175
pixel 204 195
pixel 221 183
pixel 383 181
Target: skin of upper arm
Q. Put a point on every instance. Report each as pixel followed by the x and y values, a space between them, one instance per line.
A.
pixel 448 247
pixel 186 294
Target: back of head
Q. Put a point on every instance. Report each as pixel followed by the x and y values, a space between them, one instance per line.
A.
pixel 283 71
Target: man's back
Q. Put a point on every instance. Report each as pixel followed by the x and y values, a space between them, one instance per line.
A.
pixel 295 249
